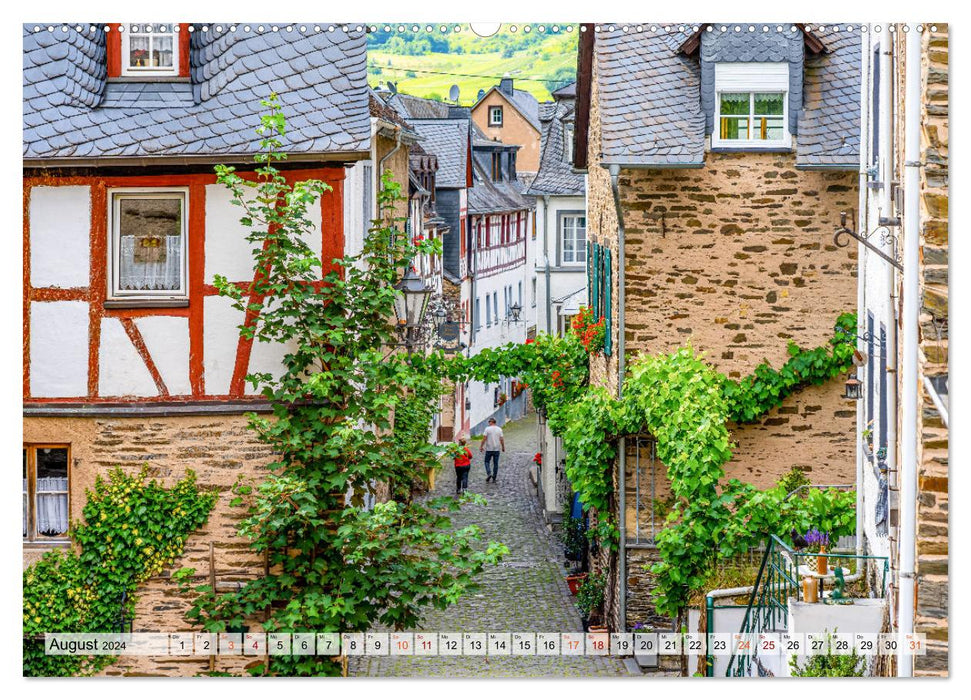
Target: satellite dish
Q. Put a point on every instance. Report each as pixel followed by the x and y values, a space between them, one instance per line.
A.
pixel 480 95
pixel 453 93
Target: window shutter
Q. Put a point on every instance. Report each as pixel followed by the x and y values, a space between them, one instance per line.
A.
pixel 608 291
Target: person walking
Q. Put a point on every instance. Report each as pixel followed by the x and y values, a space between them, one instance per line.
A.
pixel 463 463
pixel 492 442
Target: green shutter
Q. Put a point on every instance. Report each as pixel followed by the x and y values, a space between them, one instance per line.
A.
pixel 595 282
pixel 608 292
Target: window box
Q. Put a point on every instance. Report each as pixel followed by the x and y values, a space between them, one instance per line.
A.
pixel 147 245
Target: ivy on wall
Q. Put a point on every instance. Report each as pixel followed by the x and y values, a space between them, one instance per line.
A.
pixel 132 529
pixel 687 406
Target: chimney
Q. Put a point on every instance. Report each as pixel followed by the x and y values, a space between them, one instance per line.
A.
pixel 505 86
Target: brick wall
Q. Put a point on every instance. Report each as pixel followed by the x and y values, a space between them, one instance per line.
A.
pixel 932 513
pixel 218 449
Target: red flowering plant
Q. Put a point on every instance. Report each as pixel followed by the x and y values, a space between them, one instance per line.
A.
pixel 591 333
pixel 538 458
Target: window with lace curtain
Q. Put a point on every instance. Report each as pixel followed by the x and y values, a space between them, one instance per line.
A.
pixel 148 245
pixel 46 493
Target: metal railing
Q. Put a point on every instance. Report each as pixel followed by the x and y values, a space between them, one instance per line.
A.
pixel 778 580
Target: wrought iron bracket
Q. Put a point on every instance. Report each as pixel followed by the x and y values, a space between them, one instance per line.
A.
pixel 840 242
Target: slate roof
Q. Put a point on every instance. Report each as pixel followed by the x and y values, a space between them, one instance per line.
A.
pixel 829 127
pixel 651 111
pixel 650 107
pixel 413 107
pixel 486 196
pixel 555 176
pixel 72 112
pixel 449 140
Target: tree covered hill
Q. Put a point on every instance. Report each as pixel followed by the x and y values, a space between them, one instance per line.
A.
pixel 427 63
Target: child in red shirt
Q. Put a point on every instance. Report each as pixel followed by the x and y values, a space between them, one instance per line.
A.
pixel 463 464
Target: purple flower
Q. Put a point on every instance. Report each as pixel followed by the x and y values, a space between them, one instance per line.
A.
pixel 816 539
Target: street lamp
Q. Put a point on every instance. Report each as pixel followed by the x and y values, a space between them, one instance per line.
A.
pixel 514 311
pixel 853 388
pixel 409 307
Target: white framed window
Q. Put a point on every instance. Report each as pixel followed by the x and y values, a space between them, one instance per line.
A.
pixel 751 105
pixel 488 310
pixel 573 238
pixel 150 49
pixel 147 232
pixel 478 314
pixel 46 488
pixel 495 115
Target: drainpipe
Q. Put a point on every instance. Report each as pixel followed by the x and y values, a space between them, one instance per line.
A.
pixel 621 373
pixel 889 349
pixel 397 146
pixel 546 260
pixel 911 376
pixel 861 302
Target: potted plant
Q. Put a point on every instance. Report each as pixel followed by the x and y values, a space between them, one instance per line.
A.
pixel 575 581
pixel 502 398
pixel 590 599
pixel 819 541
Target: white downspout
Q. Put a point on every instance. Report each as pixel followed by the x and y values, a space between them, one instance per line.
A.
pixel 910 376
pixel 546 261
pixel 861 225
pixel 889 350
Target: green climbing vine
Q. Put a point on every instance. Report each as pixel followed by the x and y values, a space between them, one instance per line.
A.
pixel 132 529
pixel 687 406
pixel 351 414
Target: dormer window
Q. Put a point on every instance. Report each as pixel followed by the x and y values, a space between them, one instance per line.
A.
pixel 150 50
pixel 751 106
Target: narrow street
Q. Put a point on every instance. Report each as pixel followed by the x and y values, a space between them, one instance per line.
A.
pixel 525 593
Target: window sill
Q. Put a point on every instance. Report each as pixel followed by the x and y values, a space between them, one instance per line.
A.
pixel 752 148
pixel 46 544
pixel 146 303
pixel 148 78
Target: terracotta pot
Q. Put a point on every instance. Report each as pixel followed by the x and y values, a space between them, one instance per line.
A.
pixel 810 590
pixel 594 629
pixel 574 582
pixel 821 564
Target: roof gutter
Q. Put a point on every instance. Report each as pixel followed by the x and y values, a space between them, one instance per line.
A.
pixel 650 166
pixel 621 372
pixel 142 161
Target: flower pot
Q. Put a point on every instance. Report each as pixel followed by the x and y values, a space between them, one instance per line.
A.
pixel 574 582
pixel 597 628
pixel 821 563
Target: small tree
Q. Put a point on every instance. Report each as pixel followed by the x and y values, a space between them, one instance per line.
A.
pixel 349 413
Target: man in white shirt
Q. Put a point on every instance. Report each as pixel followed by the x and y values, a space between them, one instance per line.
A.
pixel 492 442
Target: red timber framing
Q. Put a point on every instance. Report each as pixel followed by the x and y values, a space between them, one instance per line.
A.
pixel 332 247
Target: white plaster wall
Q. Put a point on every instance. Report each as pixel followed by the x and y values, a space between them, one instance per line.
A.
pixel 355 224
pixel 121 370
pixel 564 280
pixel 864 616
pixel 58 349
pixel 267 357
pixel 220 338
pixel 60 236
pixel 167 340
pixel 227 251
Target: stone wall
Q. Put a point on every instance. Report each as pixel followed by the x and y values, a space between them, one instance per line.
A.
pixel 219 449
pixel 738 259
pixel 932 514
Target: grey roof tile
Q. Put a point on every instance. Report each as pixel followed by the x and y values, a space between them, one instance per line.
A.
pixel 65 89
pixel 650 94
pixel 556 176
pixel 449 140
